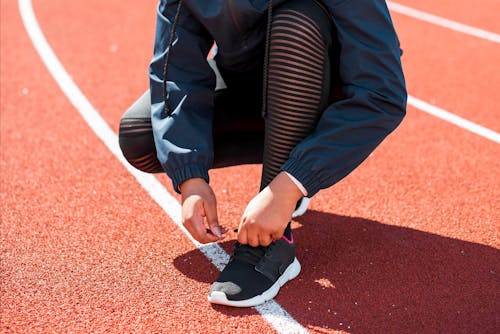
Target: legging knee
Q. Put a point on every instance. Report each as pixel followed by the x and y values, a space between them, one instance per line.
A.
pixel 137 144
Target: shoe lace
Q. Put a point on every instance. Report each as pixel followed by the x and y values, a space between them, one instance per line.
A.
pixel 249 254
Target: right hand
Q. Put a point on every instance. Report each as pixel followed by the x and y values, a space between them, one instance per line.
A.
pixel 198 204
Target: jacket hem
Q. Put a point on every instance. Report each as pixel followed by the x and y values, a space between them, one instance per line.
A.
pixel 303 175
pixel 188 172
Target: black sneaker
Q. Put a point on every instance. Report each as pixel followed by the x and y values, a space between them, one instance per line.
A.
pixel 255 274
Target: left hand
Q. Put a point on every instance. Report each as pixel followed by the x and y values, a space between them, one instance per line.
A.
pixel 266 216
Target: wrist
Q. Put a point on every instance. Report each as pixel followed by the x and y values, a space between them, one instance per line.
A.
pixel 189 184
pixel 285 188
pixel 297 183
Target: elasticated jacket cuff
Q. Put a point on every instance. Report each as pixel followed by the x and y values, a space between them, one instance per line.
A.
pixel 188 172
pixel 304 175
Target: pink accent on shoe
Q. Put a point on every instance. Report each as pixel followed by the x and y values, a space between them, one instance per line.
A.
pixel 287 240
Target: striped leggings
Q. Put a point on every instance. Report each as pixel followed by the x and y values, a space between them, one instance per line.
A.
pixel 299 81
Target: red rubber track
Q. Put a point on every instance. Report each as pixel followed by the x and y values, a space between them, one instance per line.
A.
pixel 408 243
pixel 481 14
pixel 457 72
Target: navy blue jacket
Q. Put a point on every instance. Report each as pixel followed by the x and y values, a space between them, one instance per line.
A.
pixel 373 90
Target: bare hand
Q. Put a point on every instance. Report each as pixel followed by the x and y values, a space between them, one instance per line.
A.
pixel 268 213
pixel 199 204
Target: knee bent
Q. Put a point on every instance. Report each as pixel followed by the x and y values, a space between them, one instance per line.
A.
pixel 137 144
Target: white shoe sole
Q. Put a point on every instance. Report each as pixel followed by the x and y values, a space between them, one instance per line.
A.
pixel 219 297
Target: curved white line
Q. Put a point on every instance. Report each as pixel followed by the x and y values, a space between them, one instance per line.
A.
pixel 443 22
pixel 275 315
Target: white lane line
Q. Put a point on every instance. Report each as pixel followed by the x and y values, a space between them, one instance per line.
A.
pixel 429 108
pixel 443 22
pixel 275 315
pixel 454 119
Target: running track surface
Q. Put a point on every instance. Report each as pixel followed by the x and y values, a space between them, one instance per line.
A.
pixel 408 243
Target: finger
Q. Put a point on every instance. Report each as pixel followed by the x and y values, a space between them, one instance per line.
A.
pixel 196 227
pixel 206 212
pixel 252 238
pixel 265 239
pixel 209 237
pixel 242 236
pixel 223 232
pixel 201 234
pixel 276 236
pixel 212 218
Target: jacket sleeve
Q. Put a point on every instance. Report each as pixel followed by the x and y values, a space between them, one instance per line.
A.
pixel 183 139
pixel 373 99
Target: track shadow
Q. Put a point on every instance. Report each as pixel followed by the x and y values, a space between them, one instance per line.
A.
pixel 363 276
